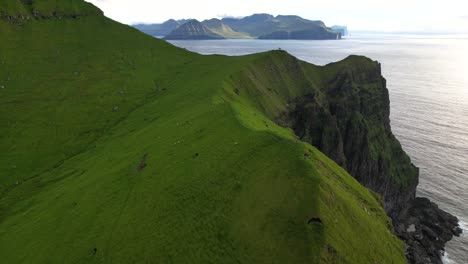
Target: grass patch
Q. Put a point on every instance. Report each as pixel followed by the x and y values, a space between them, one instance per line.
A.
pixel 86 100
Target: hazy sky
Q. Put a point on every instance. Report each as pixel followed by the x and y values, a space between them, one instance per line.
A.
pixel 380 15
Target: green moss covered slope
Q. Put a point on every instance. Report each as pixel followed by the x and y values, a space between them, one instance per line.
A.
pixel 118 147
pixel 343 109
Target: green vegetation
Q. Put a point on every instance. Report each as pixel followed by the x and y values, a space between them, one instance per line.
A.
pixel 193 29
pixel 12 8
pixel 47 8
pixel 342 109
pixel 118 147
pixel 218 27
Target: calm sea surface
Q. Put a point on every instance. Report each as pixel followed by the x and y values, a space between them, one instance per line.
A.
pixel 428 82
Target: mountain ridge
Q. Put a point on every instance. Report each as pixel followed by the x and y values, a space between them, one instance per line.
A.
pixel 159 29
pixel 129 149
pixel 193 29
pixel 25 10
pixel 222 29
pixel 263 26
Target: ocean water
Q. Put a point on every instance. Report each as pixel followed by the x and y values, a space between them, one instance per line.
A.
pixel 427 77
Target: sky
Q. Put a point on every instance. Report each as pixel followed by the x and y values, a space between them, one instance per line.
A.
pixel 433 16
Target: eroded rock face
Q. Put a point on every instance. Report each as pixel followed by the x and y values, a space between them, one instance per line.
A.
pixel 351 125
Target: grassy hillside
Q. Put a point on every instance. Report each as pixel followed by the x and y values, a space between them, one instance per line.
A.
pixel 193 29
pixel 47 8
pixel 12 8
pixel 118 147
pixel 218 27
pixel 342 109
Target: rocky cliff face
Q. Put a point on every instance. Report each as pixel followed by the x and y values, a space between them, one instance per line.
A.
pixel 346 116
pixel 350 123
pixel 352 126
pixel 311 34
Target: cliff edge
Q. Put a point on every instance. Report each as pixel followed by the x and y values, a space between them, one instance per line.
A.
pixel 345 113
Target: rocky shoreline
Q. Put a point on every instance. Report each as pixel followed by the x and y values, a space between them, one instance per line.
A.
pixel 426 229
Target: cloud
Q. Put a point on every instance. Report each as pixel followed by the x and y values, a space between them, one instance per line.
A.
pixel 228 16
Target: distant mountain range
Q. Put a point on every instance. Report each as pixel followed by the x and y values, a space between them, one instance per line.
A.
pixel 160 29
pixel 261 26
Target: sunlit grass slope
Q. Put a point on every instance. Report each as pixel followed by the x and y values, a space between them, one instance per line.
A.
pixel 120 148
pixel 218 27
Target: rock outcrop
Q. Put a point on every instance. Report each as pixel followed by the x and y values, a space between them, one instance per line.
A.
pixel 426 228
pixel 341 29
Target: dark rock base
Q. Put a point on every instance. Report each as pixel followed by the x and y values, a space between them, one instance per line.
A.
pixel 426 228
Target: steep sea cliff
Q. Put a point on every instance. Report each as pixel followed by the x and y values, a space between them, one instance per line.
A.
pixel 353 128
pixel 429 110
pixel 347 117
